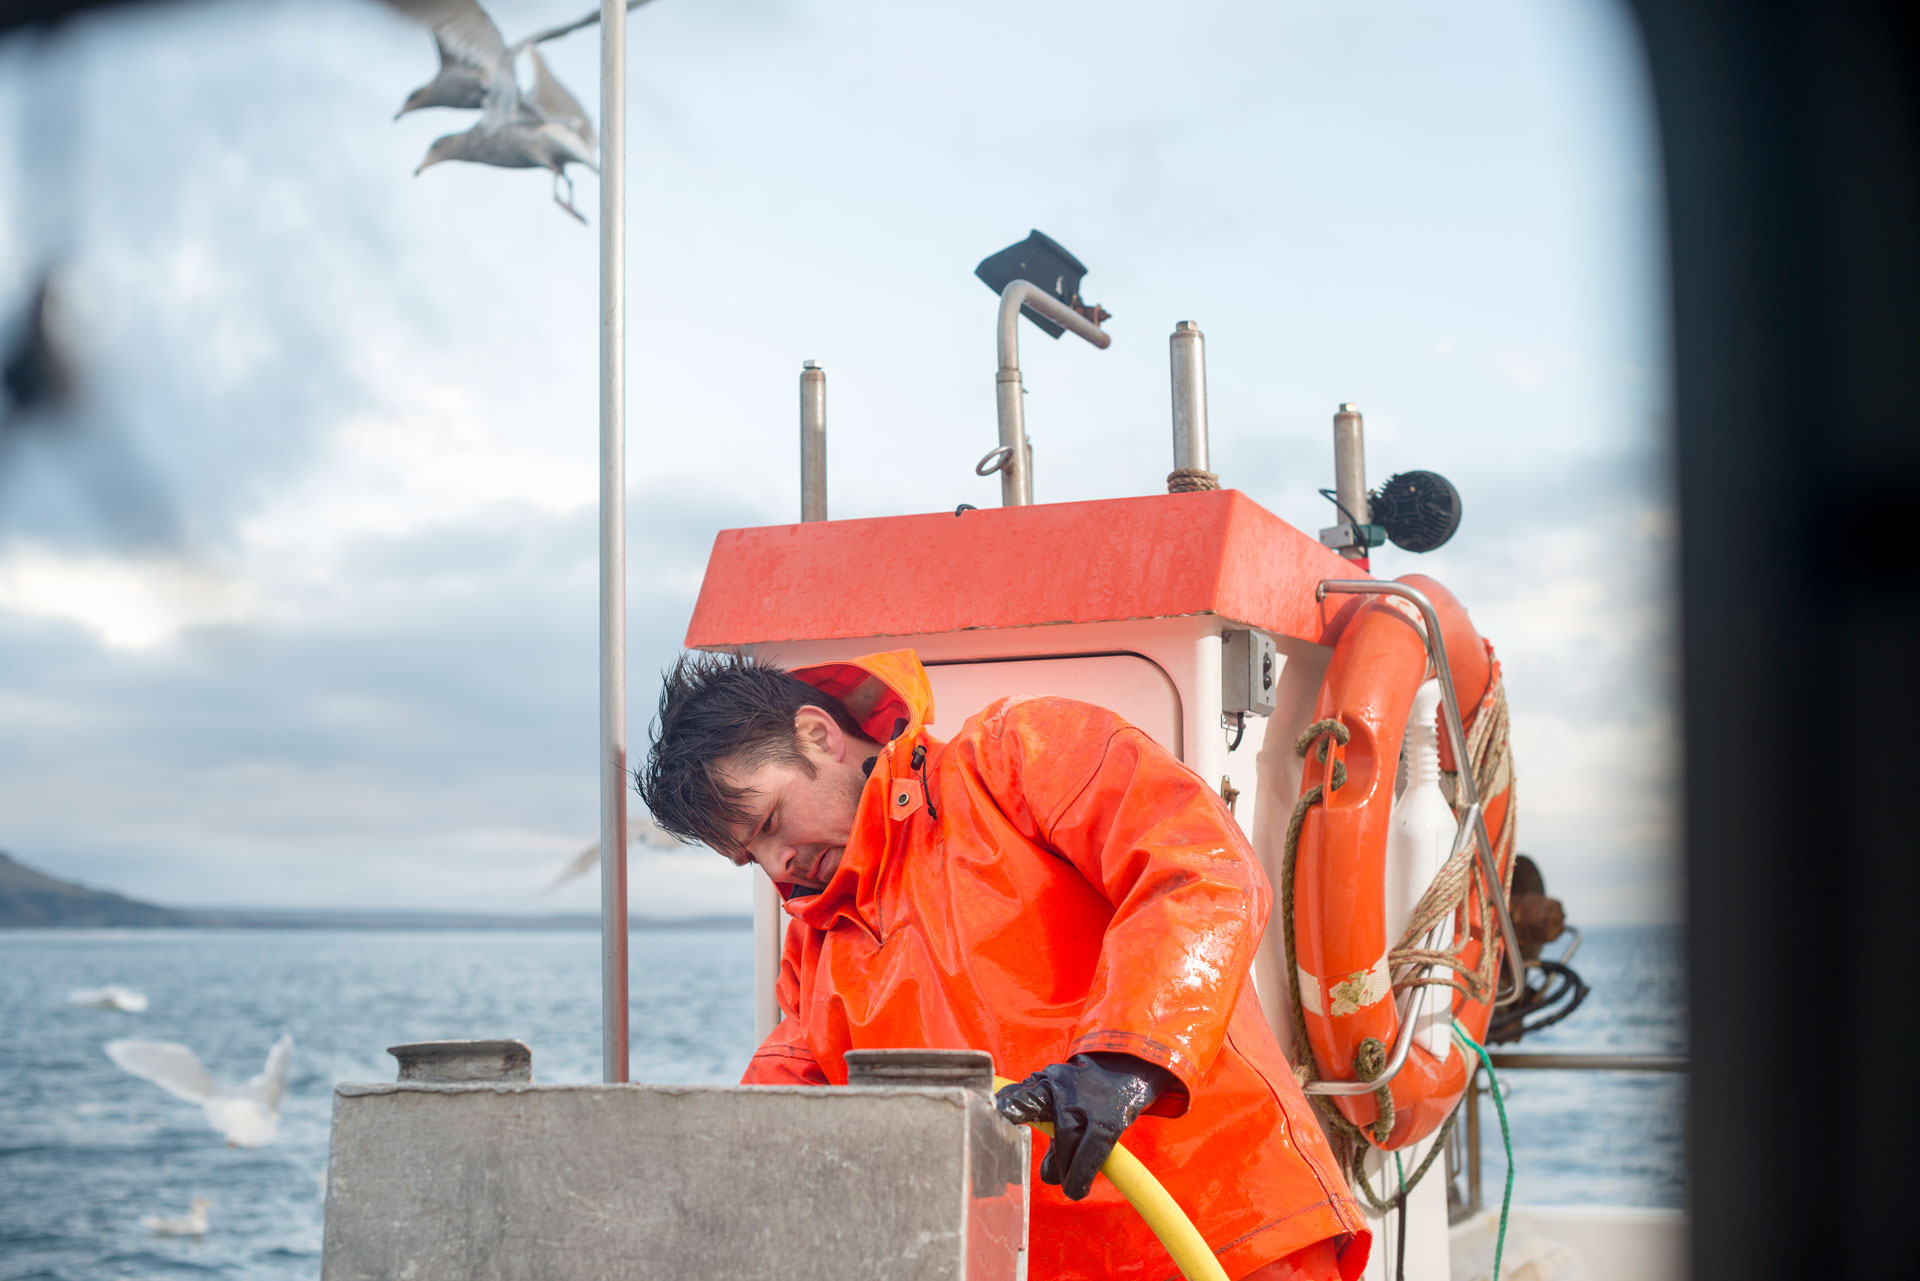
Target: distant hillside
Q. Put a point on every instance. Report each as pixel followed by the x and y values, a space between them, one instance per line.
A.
pixel 28 897
pixel 327 918
pixel 31 898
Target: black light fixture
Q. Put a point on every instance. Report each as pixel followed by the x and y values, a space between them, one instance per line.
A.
pixel 1041 260
pixel 1419 510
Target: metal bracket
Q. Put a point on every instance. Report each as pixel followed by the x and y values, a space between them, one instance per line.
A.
pixel 1347 534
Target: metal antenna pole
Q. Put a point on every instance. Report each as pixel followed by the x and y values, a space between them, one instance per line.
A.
pixel 813 441
pixel 1187 354
pixel 1350 476
pixel 1015 453
pixel 613 539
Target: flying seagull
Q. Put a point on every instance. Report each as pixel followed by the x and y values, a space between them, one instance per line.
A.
pixel 460 84
pixel 247 1116
pixel 518 144
pixel 641 830
pixel 191 1224
pixel 544 128
pixel 110 996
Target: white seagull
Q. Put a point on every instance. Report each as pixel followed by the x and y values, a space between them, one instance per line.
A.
pixel 191 1224
pixel 542 128
pixel 459 83
pixel 247 1116
pixel 641 830
pixel 110 996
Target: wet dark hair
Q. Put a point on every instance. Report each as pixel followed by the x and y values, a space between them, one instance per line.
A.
pixel 716 709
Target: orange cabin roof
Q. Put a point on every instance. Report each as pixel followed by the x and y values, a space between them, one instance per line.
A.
pixel 1161 556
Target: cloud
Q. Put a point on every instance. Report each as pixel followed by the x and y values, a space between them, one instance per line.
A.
pixel 353 652
pixel 127 604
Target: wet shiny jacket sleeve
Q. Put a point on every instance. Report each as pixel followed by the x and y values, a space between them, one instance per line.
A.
pixel 1189 898
pixel 784 1058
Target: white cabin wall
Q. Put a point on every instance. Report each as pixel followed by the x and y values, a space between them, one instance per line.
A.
pixel 1427 1246
pixel 1267 805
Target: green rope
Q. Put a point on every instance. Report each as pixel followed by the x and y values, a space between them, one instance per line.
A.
pixel 1400 1238
pixel 1506 1139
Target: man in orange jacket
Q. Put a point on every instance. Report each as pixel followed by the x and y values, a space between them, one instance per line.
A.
pixel 1050 886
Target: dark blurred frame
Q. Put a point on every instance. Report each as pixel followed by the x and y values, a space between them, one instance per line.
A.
pixel 1791 133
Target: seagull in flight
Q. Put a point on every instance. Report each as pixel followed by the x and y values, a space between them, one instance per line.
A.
pixel 247 1116
pixel 461 83
pixel 544 127
pixel 191 1224
pixel 110 996
pixel 641 830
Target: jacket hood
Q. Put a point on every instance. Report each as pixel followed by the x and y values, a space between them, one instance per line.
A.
pixel 881 690
pixel 891 698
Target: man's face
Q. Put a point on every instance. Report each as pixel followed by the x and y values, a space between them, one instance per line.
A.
pixel 798 822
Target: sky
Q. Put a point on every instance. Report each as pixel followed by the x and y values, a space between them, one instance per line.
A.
pixel 301 612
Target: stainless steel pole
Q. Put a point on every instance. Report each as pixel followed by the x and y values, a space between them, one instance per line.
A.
pixel 613 539
pixel 1350 473
pixel 769 915
pixel 1016 467
pixel 1187 350
pixel 813 441
pixel 1473 1141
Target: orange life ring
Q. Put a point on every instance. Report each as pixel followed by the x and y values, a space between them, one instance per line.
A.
pixel 1341 975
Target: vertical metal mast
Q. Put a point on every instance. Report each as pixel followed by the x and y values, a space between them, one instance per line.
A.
pixel 1350 478
pixel 613 539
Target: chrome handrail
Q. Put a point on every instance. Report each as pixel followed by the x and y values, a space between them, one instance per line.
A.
pixel 1506 1060
pixel 1472 816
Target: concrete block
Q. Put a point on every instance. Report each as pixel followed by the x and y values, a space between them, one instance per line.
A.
pixel 471 1182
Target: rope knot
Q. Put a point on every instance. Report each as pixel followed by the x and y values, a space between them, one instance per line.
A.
pixel 1323 731
pixel 1369 1061
pixel 1341 735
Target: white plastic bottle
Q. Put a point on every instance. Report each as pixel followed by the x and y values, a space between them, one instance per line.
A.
pixel 1418 842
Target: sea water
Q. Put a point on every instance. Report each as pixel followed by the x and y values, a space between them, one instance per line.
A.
pixel 86 1150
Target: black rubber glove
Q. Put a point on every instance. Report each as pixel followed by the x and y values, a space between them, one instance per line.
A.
pixel 1090 1099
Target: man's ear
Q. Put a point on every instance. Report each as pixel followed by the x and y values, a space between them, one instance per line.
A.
pixel 814 729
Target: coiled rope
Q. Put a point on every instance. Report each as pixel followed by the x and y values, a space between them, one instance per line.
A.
pixel 1191 480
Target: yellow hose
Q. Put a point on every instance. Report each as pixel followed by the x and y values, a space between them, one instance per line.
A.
pixel 1163 1214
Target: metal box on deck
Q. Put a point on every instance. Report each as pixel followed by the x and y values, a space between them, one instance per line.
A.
pixel 509 1180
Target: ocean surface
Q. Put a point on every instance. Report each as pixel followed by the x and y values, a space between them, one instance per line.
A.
pixel 86 1150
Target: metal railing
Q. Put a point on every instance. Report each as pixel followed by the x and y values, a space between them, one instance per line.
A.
pixel 1467 1151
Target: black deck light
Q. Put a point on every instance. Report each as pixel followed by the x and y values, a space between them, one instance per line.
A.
pixel 1418 509
pixel 1042 260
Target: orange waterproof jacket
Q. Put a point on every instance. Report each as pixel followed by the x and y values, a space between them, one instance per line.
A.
pixel 1080 890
